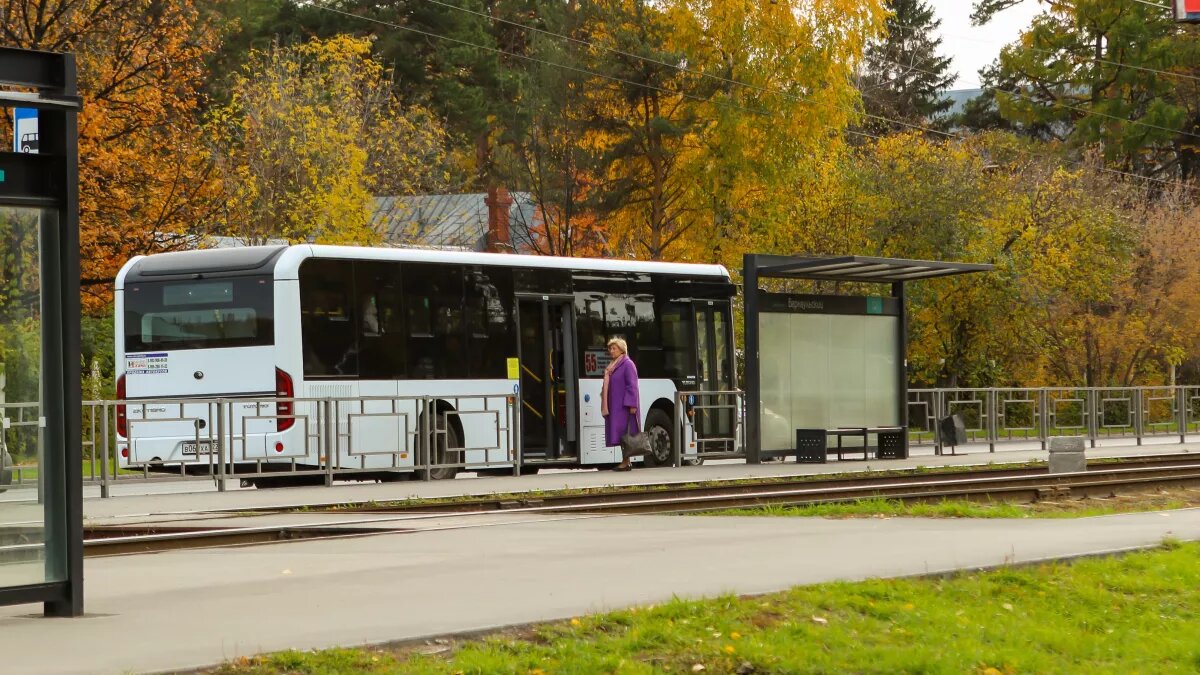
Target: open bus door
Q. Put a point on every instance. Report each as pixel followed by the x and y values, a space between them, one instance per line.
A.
pixel 714 355
pixel 549 378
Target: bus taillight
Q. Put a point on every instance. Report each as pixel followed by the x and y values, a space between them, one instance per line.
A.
pixel 122 416
pixel 283 410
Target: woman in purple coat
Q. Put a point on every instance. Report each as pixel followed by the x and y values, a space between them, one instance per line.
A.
pixel 619 402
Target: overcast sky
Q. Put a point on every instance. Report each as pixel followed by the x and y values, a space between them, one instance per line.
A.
pixel 973 48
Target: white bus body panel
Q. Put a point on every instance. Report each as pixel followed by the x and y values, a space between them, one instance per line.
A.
pixel 158 428
pixel 380 431
pixel 592 448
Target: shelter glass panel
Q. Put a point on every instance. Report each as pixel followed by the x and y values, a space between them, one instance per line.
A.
pixel 824 371
pixel 23 558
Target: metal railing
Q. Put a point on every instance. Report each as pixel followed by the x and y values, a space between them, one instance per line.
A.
pixel 349 436
pixel 709 425
pixel 998 416
pixel 226 439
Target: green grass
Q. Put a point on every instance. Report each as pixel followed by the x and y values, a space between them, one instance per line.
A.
pixel 888 507
pixel 1134 613
pixel 29 472
pixel 1071 508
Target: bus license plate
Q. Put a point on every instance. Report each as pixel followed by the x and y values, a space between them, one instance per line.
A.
pixel 189 447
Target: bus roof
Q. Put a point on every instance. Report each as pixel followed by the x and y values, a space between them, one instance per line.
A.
pixel 289 263
pixel 285 261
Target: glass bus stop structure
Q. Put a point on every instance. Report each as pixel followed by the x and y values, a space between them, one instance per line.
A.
pixel 830 365
pixel 41 530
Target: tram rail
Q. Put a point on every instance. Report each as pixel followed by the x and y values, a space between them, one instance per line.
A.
pixel 1012 484
pixel 1009 484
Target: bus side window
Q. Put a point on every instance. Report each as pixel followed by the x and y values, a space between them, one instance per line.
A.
pixel 489 301
pixel 649 354
pixel 328 330
pixel 676 340
pixel 381 337
pixel 620 320
pixel 433 295
pixel 589 329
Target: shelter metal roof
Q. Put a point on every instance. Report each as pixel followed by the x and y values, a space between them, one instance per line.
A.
pixel 860 268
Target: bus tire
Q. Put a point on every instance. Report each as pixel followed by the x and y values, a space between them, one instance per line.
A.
pixel 658 428
pixel 446 452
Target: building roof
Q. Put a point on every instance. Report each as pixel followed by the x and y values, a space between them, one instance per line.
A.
pixel 458 221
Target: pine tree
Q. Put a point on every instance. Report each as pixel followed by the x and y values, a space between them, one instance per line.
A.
pixel 903 76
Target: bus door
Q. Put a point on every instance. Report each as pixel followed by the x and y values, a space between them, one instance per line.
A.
pixel 549 380
pixel 714 371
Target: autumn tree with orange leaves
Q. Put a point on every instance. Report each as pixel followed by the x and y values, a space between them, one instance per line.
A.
pixel 144 178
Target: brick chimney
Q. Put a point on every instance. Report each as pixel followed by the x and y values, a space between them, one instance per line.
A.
pixel 499 239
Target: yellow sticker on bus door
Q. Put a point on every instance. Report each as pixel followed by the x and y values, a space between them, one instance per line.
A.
pixel 514 369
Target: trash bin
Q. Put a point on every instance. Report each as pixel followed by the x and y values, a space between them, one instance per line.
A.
pixel 953 431
pixel 810 446
pixel 891 445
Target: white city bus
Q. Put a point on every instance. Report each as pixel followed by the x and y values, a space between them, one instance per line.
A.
pixel 346 323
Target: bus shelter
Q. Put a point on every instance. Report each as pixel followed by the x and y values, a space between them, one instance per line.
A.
pixel 41 525
pixel 834 364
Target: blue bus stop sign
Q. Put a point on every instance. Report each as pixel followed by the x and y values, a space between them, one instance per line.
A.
pixel 25 130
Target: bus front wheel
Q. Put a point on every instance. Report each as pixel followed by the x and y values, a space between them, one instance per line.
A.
pixel 658 428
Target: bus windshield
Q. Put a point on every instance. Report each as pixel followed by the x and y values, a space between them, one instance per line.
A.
pixel 199 314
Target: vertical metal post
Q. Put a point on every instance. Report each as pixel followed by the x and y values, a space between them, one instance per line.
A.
pixel 62 472
pixel 1138 401
pixel 937 402
pixel 1043 416
pixel 331 410
pixel 510 403
pixel 430 436
pixel 992 421
pixel 222 447
pixel 1092 407
pixel 1181 412
pixel 105 456
pixel 750 322
pixel 517 443
pixel 677 437
pixel 902 361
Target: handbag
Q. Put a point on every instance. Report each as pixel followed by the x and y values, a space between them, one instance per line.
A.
pixel 634 444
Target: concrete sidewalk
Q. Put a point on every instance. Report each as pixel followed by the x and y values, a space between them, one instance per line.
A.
pixel 195 608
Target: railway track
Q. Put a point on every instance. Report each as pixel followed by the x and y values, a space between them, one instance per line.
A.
pixel 1014 485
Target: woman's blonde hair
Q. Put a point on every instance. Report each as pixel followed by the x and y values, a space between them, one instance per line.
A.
pixel 620 343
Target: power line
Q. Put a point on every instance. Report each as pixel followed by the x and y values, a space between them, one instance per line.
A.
pixel 718 78
pixel 585 71
pixel 1085 111
pixel 1051 52
pixel 775 91
pixel 497 50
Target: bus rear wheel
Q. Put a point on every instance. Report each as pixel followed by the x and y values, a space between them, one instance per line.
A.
pixel 448 451
pixel 658 428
